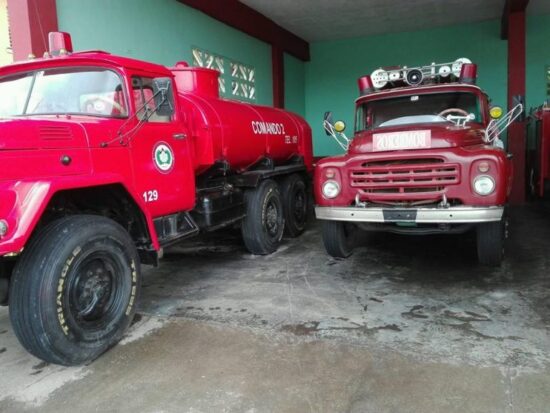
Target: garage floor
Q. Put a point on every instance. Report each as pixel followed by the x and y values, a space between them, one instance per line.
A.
pixel 405 325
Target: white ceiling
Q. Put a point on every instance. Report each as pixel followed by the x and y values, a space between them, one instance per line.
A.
pixel 315 20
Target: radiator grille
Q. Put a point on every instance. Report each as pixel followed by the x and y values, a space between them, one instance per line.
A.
pixel 410 180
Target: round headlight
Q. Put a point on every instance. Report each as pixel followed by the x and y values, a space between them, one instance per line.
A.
pixel 331 189
pixel 484 185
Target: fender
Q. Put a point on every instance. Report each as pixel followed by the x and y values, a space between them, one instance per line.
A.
pixel 23 202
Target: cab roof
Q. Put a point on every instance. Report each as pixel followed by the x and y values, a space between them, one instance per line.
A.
pixel 412 90
pixel 87 58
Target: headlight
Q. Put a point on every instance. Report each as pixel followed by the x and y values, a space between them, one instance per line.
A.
pixel 484 185
pixel 331 189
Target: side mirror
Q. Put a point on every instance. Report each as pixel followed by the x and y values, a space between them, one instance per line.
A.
pixel 339 126
pixel 496 112
pixel 164 96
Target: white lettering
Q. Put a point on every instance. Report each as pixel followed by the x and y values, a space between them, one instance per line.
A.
pixel 268 128
pixel 401 140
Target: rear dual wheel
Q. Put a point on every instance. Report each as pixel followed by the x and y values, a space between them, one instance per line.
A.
pixel 272 210
pixel 295 204
pixel 263 226
pixel 74 291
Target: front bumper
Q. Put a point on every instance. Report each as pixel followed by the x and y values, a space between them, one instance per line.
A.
pixel 451 215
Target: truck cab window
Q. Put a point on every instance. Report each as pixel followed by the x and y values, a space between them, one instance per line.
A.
pixel 416 109
pixel 144 100
pixel 85 91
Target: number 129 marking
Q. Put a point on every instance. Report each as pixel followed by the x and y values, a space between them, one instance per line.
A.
pixel 151 196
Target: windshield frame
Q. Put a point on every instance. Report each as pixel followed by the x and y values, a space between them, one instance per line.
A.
pixel 34 72
pixel 482 104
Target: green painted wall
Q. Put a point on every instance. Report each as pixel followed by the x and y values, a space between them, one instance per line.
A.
pixel 162 31
pixel 295 85
pixel 331 75
pixel 538 57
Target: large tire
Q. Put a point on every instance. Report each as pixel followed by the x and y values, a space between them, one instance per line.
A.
pixel 74 291
pixel 490 242
pixel 338 238
pixel 295 204
pixel 263 226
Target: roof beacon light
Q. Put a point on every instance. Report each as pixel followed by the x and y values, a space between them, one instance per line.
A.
pixel 365 85
pixel 468 73
pixel 60 43
pixel 434 73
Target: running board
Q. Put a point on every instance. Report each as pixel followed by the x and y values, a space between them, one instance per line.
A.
pixel 173 228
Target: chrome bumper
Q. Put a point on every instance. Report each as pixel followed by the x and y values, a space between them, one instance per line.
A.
pixel 451 215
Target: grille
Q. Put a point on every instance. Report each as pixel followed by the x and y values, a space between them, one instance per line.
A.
pixel 410 180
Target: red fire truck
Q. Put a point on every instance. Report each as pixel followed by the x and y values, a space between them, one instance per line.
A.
pixel 426 158
pixel 539 155
pixel 105 161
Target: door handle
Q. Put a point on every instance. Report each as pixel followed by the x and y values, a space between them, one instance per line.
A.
pixel 179 136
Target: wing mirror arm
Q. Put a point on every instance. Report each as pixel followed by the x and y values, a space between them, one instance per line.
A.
pixel 500 124
pixel 336 130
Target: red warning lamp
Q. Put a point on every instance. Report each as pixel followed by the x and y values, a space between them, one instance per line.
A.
pixel 365 85
pixel 60 43
pixel 468 73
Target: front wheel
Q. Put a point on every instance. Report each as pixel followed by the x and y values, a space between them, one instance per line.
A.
pixel 490 242
pixel 338 238
pixel 74 290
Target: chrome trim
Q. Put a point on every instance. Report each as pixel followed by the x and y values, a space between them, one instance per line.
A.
pixel 452 215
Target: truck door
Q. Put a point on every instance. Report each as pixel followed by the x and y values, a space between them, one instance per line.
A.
pixel 163 173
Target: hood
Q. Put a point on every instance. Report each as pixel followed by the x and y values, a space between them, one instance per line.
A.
pixel 18 133
pixel 418 136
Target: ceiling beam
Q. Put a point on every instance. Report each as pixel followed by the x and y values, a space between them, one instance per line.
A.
pixel 244 18
pixel 511 6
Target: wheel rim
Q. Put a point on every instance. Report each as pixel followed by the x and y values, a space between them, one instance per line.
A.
pixel 93 290
pixel 271 220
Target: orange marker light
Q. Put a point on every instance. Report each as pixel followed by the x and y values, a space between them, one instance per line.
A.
pixel 483 167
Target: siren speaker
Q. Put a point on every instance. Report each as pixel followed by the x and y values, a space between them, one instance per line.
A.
pixel 414 77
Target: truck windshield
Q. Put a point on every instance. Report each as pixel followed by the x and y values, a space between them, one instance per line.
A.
pixel 75 91
pixel 421 108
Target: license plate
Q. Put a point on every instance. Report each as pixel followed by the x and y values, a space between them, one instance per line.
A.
pixel 399 215
pixel 391 141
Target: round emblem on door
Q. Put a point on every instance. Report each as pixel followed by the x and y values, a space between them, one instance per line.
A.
pixel 163 157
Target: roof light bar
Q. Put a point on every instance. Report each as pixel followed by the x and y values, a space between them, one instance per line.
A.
pixel 415 76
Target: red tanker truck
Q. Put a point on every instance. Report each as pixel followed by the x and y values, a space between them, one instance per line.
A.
pixel 426 158
pixel 105 161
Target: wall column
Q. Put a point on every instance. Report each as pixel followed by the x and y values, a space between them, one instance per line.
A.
pixel 517 139
pixel 278 73
pixel 30 21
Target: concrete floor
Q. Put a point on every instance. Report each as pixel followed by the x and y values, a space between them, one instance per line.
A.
pixel 404 325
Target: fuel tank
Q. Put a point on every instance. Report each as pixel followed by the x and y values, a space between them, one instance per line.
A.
pixel 240 134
